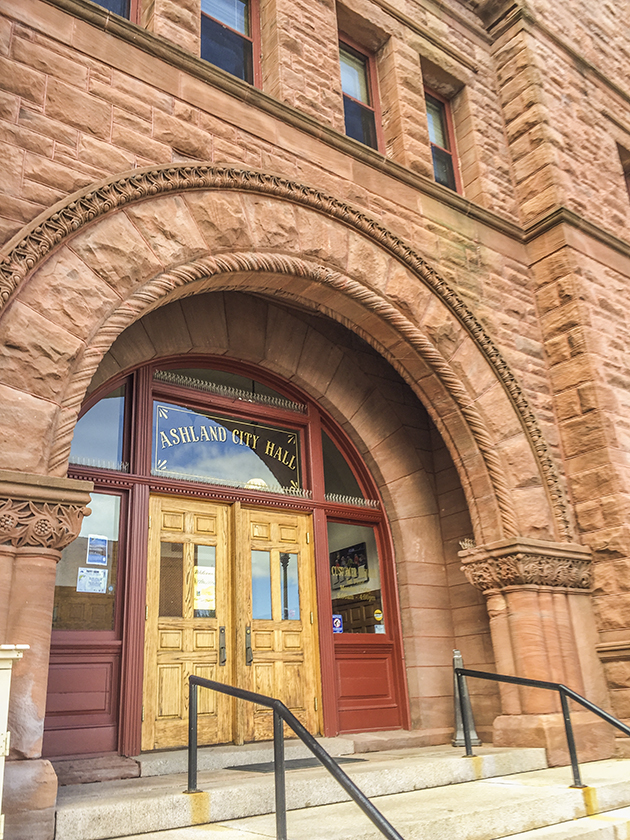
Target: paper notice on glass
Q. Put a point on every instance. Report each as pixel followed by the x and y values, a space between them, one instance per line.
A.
pixel 204 588
pixel 97 550
pixel 92 580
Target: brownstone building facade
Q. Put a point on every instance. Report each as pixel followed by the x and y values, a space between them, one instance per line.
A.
pixel 321 307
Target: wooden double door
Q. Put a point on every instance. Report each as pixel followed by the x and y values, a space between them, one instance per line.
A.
pixel 230 597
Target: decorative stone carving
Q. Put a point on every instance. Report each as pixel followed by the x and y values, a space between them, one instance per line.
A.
pixel 24 523
pixel 499 567
pixel 93 202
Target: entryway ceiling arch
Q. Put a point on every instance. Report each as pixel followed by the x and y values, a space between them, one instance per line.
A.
pixel 78 276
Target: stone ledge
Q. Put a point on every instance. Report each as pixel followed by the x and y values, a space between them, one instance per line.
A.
pixel 44 488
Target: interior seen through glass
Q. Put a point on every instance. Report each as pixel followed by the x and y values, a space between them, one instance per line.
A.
pixel 171 580
pixel 85 584
pixel 355 579
pixel 204 596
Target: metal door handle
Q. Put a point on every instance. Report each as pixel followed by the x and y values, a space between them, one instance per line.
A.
pixel 222 649
pixel 249 654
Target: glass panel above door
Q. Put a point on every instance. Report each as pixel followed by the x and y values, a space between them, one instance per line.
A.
pixel 195 446
pixel 99 434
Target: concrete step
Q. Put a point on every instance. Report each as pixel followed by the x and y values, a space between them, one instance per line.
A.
pixel 169 762
pixel 155 803
pixel 536 805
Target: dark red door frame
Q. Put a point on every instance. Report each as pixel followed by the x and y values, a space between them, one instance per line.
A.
pixel 140 484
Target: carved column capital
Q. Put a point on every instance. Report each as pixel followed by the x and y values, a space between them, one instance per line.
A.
pixel 24 523
pixel 41 511
pixel 506 564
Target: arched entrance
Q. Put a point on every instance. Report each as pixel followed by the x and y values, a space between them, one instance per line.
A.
pixel 267 549
pixel 119 252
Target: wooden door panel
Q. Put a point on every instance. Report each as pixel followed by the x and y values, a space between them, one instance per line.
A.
pixel 284 649
pixel 169 684
pixel 185 641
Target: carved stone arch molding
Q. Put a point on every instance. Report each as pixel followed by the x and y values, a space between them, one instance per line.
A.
pixel 80 274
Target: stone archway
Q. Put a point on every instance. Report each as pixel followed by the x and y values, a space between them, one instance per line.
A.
pixel 129 245
pixel 78 276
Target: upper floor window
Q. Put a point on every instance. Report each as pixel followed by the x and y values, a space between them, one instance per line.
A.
pixel 442 139
pixel 359 95
pixel 124 8
pixel 624 157
pixel 227 38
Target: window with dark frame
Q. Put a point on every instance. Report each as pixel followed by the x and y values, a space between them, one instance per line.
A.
pixel 624 157
pixel 442 139
pixel 359 99
pixel 227 38
pixel 124 8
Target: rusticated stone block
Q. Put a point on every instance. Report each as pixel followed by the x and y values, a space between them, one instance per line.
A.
pixel 117 253
pixel 30 791
pixel 35 353
pixel 70 105
pixel 168 227
pixel 221 220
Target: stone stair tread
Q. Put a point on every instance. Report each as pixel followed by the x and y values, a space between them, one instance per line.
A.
pixel 523 810
pixel 216 757
pixel 111 809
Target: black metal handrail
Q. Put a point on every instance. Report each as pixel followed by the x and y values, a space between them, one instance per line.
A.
pixel 564 692
pixel 280 714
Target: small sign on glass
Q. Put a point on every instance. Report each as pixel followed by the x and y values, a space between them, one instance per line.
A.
pixel 96 550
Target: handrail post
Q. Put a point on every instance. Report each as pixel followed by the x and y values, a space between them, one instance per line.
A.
pixel 278 769
pixel 566 714
pixel 463 711
pixel 192 738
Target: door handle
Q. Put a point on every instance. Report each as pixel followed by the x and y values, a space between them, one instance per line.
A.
pixel 222 649
pixel 249 654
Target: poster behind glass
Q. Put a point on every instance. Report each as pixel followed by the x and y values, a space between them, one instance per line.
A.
pixel 85 584
pixel 355 580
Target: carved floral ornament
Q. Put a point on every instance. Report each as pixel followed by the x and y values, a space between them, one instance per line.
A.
pixel 25 523
pixel 523 569
pixel 40 237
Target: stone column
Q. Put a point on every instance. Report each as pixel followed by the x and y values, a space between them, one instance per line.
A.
pixel 39 516
pixel 541 622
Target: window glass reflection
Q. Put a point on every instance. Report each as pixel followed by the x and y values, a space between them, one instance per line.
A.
pixel 234 13
pixel 289 587
pixel 85 584
pixel 99 434
pixel 191 445
pixel 339 480
pixel 261 584
pixel 355 579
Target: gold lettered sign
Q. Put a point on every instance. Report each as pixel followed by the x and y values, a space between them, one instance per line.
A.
pixel 210 447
